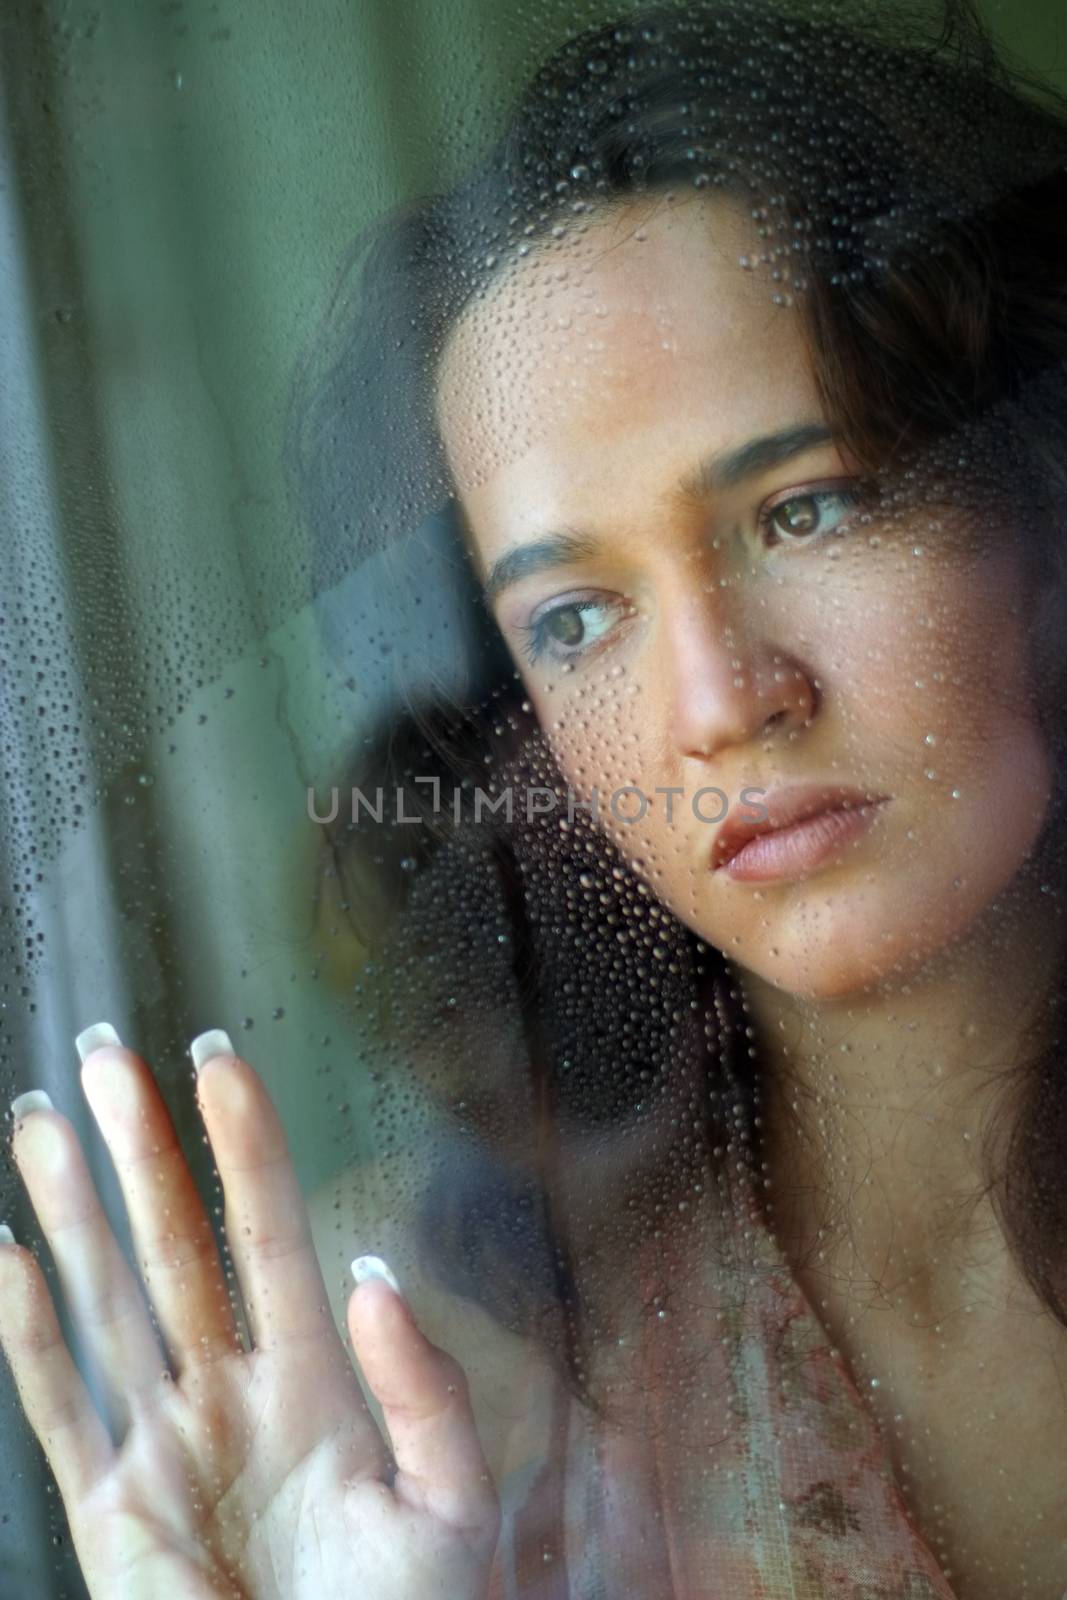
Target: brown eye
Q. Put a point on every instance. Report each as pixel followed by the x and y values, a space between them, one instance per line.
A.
pixel 796 516
pixel 807 515
pixel 566 632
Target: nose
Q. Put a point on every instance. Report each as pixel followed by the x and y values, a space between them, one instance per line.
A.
pixel 730 685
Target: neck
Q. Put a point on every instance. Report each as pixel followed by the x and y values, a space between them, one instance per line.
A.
pixel 876 1108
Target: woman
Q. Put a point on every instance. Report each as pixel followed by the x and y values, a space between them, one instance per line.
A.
pixel 742 361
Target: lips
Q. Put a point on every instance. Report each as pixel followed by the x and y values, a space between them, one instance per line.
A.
pixel 784 808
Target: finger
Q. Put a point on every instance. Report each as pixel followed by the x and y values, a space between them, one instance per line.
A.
pixel 102 1292
pixel 172 1234
pixel 266 1220
pixel 425 1403
pixel 54 1398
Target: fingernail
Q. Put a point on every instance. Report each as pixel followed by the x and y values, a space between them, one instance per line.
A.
pixel 94 1038
pixel 32 1100
pixel 364 1267
pixel 6 1236
pixel 212 1043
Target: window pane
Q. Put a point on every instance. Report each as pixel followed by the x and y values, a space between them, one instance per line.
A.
pixel 533 601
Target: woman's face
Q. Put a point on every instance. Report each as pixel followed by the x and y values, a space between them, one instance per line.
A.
pixel 664 528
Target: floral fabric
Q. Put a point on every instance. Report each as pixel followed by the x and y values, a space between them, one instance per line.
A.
pixel 747 1468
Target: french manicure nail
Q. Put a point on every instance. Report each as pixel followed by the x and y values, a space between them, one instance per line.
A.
pixel 32 1100
pixel 90 1039
pixel 364 1267
pixel 215 1042
pixel 6 1236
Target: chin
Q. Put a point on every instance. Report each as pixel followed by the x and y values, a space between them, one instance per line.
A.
pixel 813 978
pixel 818 975
pixel 879 944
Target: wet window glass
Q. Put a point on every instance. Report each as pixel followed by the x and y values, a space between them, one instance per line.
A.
pixel 534 627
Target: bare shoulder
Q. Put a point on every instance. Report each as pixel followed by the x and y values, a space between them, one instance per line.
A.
pixel 362 1212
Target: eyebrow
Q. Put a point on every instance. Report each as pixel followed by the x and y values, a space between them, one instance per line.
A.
pixel 718 472
pixel 731 467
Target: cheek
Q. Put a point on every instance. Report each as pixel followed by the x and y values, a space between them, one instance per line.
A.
pixel 604 729
pixel 930 695
pixel 940 678
pixel 939 706
pixel 607 736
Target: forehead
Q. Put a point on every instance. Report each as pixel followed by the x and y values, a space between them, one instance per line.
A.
pixel 639 315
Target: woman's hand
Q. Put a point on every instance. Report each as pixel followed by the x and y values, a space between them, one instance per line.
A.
pixel 239 1472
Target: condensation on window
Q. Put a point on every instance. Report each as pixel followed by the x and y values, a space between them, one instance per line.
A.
pixel 533 620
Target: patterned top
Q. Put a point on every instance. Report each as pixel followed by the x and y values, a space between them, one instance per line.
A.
pixel 742 1463
pixel 728 1454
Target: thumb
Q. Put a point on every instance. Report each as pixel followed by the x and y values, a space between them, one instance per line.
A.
pixel 426 1405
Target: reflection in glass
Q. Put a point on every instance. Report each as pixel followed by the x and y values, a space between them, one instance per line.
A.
pixel 684 492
